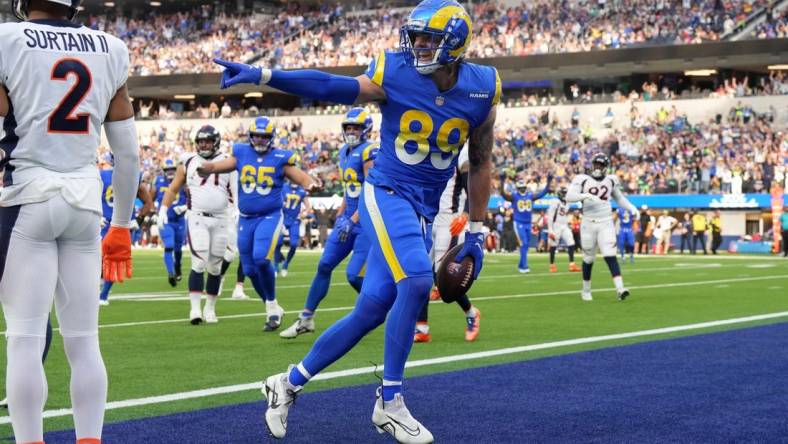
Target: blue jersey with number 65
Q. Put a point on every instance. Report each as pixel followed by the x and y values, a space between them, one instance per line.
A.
pixel 260 178
pixel 351 165
pixel 423 129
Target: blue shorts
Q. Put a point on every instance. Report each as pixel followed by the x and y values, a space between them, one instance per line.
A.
pixel 336 251
pixel 626 237
pixel 257 239
pixel 173 235
pixel 523 232
pixel 397 235
pixel 293 231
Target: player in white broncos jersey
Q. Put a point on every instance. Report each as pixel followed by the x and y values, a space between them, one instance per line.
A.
pixel 558 230
pixel 598 228
pixel 209 201
pixel 59 83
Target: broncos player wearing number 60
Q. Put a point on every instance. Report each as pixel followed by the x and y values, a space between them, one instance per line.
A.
pixel 598 228
pixel 431 101
pixel 355 159
pixel 261 169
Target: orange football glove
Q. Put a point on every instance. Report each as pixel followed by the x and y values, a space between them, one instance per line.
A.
pixel 458 224
pixel 116 254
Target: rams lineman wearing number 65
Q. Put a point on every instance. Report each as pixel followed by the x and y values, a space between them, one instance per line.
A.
pixel 432 101
pixel 59 83
pixel 261 170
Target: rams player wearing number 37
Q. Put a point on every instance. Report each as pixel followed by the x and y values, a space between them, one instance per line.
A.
pixel 432 101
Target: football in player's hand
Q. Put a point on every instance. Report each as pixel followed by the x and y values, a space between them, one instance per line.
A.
pixel 454 280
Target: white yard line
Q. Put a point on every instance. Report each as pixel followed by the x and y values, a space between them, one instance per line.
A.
pixel 172 295
pixel 423 363
pixel 475 299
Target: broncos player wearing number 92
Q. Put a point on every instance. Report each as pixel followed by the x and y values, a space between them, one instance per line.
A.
pixel 431 101
pixel 262 169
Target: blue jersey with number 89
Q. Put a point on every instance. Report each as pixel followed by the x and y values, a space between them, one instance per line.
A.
pixel 423 129
pixel 260 178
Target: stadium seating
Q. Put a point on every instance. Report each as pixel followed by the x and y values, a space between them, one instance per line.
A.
pixel 185 42
pixel 684 146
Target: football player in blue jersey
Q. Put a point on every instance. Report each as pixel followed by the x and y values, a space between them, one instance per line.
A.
pixel 626 235
pixel 431 101
pixel 107 203
pixel 294 199
pixel 262 170
pixel 522 200
pixel 174 233
pixel 355 159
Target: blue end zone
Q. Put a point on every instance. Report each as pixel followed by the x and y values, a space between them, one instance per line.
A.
pixel 720 387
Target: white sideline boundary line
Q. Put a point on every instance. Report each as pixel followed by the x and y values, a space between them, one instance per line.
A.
pixel 114 405
pixel 475 299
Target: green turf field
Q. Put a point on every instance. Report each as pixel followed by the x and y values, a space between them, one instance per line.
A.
pixel 151 350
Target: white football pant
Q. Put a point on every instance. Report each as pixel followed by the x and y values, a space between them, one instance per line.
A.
pixel 207 242
pixel 53 254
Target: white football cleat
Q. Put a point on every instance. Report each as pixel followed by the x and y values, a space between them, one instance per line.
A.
pixel 273 318
pixel 239 294
pixel 586 295
pixel 283 273
pixel 4 403
pixel 195 317
pixel 623 294
pixel 524 270
pixel 103 302
pixel 299 327
pixel 394 418
pixel 280 395
pixel 209 316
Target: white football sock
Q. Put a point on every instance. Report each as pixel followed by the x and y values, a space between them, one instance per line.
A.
pixel 26 386
pixel 194 298
pixel 471 313
pixel 618 281
pixel 210 302
pixel 88 384
pixel 586 286
pixel 270 306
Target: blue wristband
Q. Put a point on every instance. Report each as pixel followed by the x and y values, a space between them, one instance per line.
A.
pixel 316 85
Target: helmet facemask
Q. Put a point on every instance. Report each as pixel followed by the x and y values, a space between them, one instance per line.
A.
pixel 423 48
pixel 169 174
pixel 206 147
pixel 598 169
pixel 261 142
pixel 352 133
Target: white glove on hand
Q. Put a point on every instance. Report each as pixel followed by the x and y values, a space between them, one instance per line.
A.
pixel 134 225
pixel 162 219
pixel 180 209
pixel 103 222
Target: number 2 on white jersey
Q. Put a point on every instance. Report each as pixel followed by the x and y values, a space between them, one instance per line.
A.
pixel 63 120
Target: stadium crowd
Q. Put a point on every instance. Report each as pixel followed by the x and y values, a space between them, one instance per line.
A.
pixel 652 154
pixel 327 36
